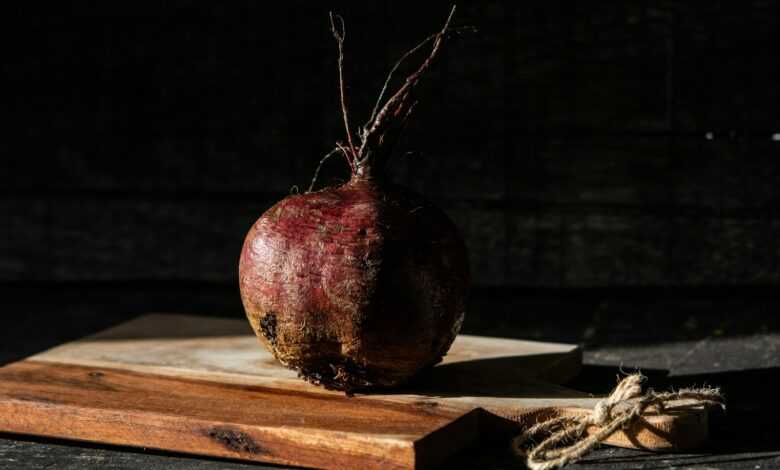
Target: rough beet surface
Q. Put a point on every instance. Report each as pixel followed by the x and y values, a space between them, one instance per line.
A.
pixel 362 285
pixel 358 286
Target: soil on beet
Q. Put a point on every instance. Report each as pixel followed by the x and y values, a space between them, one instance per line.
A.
pixel 356 287
pixel 363 285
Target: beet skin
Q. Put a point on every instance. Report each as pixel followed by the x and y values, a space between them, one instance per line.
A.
pixel 362 285
pixel 357 286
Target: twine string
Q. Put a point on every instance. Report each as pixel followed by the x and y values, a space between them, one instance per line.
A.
pixel 568 439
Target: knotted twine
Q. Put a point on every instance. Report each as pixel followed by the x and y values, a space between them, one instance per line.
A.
pixel 631 404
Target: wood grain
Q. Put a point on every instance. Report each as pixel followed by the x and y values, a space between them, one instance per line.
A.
pixel 207 418
pixel 168 378
pixel 476 370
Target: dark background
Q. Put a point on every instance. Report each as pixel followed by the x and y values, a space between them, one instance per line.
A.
pixel 613 166
pixel 594 144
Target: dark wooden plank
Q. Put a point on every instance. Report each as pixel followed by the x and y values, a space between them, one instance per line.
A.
pixel 579 170
pixel 201 107
pixel 750 173
pixel 608 250
pixel 536 250
pixel 25 453
pixel 725 69
pixel 726 250
pixel 450 164
pixel 189 240
pixel 23 236
pixel 633 66
pixel 599 250
pixel 555 246
pixel 709 173
pixel 621 130
pixel 198 241
pixel 170 97
pixel 612 250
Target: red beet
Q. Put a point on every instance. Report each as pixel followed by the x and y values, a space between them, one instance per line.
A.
pixel 362 285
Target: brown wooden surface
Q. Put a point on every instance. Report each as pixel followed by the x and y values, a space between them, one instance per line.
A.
pixel 225 420
pixel 204 385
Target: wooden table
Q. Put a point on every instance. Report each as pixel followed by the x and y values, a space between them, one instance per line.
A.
pixel 727 338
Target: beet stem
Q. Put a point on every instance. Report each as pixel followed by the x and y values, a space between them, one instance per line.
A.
pixel 390 77
pixel 397 106
pixel 319 167
pixel 384 127
pixel 339 36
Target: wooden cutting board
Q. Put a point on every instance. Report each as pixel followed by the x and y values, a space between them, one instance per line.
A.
pixel 205 386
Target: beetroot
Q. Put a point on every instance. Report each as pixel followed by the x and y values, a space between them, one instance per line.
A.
pixel 362 285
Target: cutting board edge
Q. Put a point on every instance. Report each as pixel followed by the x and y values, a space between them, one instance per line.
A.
pixel 26 414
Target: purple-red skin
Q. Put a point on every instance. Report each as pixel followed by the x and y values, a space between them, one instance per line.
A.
pixel 356 287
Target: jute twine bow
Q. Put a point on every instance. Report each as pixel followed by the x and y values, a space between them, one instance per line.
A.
pixel 606 418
